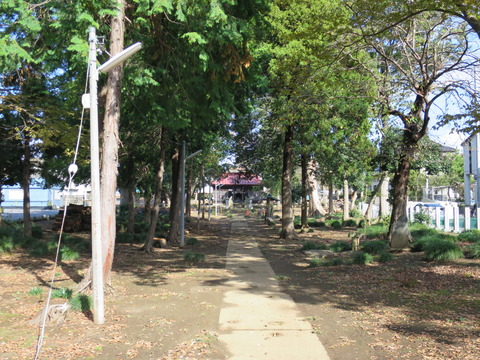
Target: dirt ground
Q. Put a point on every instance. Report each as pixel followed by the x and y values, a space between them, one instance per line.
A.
pixel 162 307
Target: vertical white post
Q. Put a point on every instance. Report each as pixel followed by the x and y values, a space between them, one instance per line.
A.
pixel 97 267
pixel 437 218
pixel 447 218
pixel 467 218
pixel 456 219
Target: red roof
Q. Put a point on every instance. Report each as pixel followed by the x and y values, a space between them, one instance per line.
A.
pixel 238 179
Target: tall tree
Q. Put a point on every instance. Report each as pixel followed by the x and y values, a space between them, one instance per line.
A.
pixel 416 61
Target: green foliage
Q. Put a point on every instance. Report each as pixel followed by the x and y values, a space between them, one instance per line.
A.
pixel 419 230
pixel 36 291
pixel 362 258
pixel 377 231
pixel 67 253
pixel 315 262
pixel 470 236
pixel 340 246
pixel 336 224
pixel 334 262
pixel 473 250
pixel 350 222
pixel 37 232
pixel 193 241
pixel 81 303
pixel 191 256
pixel 125 238
pixel 316 223
pixel 362 224
pixel 422 218
pixel 310 245
pixel 419 244
pixel 374 247
pixel 62 293
pixel 39 250
pixel 442 250
pixel 6 243
pixel 385 256
pixel 355 213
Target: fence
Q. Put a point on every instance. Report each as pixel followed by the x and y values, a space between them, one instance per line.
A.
pixel 445 216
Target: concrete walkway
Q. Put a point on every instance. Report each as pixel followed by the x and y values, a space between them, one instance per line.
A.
pixel 257 320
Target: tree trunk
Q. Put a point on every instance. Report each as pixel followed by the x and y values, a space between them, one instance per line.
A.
pixel 147 209
pixel 174 232
pixel 110 144
pixel 158 195
pixel 288 229
pixel 317 208
pixel 353 201
pixel 203 192
pixel 346 204
pixel 331 210
pixel 399 233
pixel 188 188
pixel 304 214
pixel 131 211
pixel 376 191
pixel 27 221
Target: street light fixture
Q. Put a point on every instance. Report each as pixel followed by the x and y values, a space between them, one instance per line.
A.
pixel 97 259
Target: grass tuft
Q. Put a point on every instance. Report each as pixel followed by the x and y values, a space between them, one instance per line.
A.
pixel 442 250
pixel 374 247
pixel 362 258
pixel 340 246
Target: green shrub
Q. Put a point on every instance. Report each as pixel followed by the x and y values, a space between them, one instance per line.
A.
pixel 442 250
pixel 81 302
pixel 63 293
pixel 385 257
pixel 37 232
pixel 419 245
pixel 309 245
pixel 419 230
pixel 140 227
pixel 350 222
pixel 340 246
pixel 333 262
pixel 139 238
pixel 315 262
pixel 362 258
pixel 193 241
pixel 124 238
pixel 470 236
pixel 422 218
pixel 374 247
pixel 355 213
pixel 39 250
pixel 193 257
pixel 336 224
pixel 473 250
pixel 36 291
pixel 377 231
pixel 6 244
pixel 362 224
pixel 67 253
pixel 316 223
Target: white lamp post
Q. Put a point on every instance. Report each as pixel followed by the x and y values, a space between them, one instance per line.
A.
pixel 97 260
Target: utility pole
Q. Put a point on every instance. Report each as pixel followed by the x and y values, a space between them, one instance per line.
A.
pixel 97 268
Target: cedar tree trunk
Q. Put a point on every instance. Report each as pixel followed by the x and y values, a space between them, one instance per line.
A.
pixel 288 229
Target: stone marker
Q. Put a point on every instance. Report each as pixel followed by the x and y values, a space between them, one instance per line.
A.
pixel 401 236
